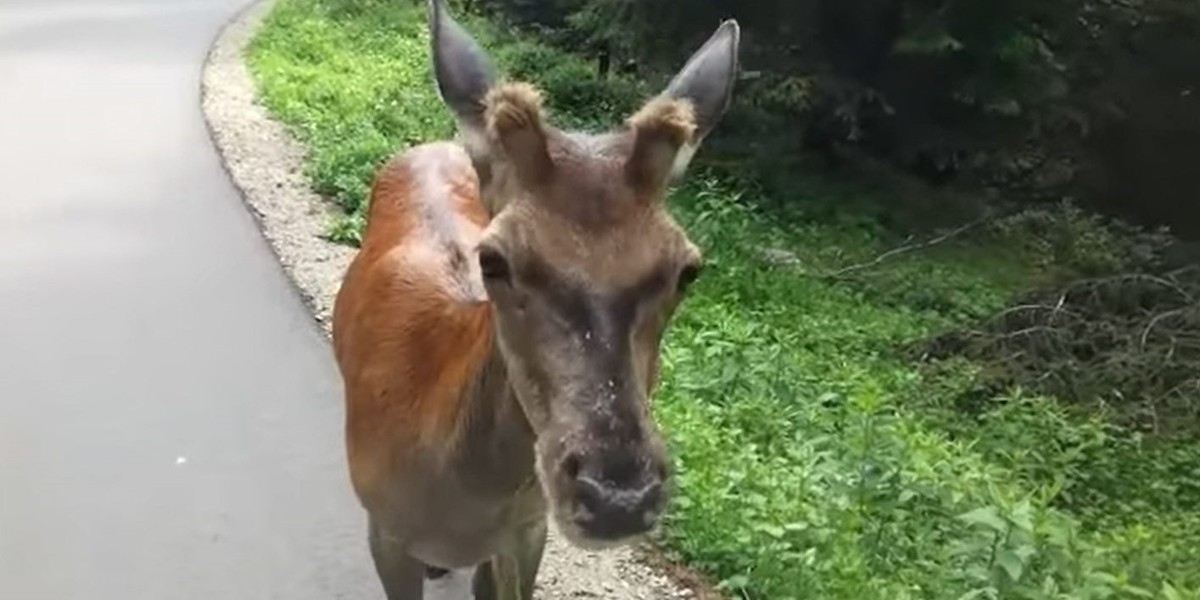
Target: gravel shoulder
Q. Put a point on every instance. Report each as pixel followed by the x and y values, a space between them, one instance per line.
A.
pixel 266 165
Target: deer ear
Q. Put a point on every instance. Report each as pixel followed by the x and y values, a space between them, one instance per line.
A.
pixel 668 129
pixel 513 115
pixel 461 69
pixel 706 80
pixel 663 131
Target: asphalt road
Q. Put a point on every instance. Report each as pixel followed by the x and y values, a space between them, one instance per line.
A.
pixel 170 418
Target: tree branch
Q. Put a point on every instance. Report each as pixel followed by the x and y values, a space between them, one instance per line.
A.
pixel 894 252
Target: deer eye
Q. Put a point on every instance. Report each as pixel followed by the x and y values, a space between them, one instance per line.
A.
pixel 687 275
pixel 492 265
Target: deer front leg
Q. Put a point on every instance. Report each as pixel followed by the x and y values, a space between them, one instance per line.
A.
pixel 510 575
pixel 402 576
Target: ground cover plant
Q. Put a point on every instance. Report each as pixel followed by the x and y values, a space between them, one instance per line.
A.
pixel 817 456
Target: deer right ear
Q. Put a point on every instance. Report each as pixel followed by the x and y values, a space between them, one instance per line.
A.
pixel 461 69
pixel 708 77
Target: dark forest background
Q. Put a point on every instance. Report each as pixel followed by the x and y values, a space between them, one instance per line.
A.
pixel 1092 100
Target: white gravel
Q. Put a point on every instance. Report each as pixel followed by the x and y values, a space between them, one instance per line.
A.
pixel 265 163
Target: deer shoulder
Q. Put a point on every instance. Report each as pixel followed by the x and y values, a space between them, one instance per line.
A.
pixel 413 313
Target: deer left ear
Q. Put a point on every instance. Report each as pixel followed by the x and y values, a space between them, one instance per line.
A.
pixel 668 130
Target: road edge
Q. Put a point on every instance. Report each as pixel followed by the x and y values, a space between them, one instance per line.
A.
pixel 265 163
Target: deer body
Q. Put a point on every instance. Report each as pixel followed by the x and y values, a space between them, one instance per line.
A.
pixel 498 331
pixel 430 402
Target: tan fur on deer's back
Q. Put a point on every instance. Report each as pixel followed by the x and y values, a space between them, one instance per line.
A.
pixel 411 326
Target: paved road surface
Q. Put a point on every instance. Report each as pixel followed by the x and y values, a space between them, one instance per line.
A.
pixel 169 416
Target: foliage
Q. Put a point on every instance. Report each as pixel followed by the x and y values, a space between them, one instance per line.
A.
pixel 1120 334
pixel 1044 98
pixel 351 78
pixel 1083 243
pixel 814 459
pixel 344 77
pixel 815 464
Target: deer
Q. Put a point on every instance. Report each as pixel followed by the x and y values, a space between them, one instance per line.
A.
pixel 498 330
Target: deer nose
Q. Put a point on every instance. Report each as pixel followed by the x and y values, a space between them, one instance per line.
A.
pixel 607 511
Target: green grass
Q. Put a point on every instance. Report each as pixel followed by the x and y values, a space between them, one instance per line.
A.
pixel 814 460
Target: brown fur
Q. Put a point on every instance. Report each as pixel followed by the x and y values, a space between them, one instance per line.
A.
pixel 408 332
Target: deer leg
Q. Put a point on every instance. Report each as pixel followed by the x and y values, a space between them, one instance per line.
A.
pixel 402 576
pixel 529 557
pixel 510 575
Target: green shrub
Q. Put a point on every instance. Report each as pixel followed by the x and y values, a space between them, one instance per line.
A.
pixel 576 96
pixel 1065 237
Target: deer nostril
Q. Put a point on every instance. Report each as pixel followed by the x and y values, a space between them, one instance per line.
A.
pixel 590 494
pixel 651 496
pixel 570 466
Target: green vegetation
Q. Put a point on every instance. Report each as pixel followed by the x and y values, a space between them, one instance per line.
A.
pixel 816 457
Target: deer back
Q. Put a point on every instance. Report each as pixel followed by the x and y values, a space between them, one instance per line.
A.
pixel 411 325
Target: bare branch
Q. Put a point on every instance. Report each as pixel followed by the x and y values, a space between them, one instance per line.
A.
pixel 894 252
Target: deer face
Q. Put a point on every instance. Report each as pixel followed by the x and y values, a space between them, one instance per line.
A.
pixel 584 268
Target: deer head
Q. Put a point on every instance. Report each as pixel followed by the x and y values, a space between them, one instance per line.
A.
pixel 584 267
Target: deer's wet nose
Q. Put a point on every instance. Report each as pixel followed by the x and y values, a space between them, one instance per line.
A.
pixel 609 511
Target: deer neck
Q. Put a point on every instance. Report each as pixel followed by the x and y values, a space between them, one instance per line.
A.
pixel 496 445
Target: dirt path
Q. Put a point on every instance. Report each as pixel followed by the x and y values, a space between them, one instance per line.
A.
pixel 265 162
